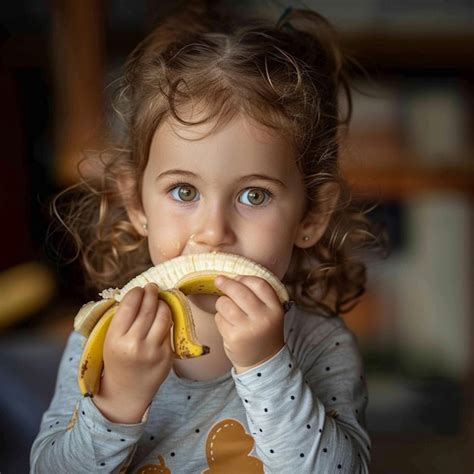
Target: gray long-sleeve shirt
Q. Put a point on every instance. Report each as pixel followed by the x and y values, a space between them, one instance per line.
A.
pixel 301 411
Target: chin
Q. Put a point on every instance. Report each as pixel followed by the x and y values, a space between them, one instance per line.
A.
pixel 205 303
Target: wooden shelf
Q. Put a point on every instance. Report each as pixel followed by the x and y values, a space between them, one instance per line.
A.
pixel 441 50
pixel 397 182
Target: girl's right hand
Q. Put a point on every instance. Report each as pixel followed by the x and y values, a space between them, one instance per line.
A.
pixel 137 355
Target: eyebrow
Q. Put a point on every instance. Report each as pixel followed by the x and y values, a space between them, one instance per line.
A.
pixel 177 172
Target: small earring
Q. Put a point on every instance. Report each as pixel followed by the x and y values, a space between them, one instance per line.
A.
pixel 145 226
pixel 306 237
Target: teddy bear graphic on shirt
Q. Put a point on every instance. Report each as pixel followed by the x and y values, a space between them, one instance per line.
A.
pixel 228 449
pixel 155 468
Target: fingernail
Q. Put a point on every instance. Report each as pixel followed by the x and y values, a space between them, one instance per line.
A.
pixel 219 280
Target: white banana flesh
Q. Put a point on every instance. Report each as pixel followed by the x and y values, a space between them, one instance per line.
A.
pixel 175 272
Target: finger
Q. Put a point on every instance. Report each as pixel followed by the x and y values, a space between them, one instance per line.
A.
pixel 161 326
pixel 223 326
pixel 127 311
pixel 146 313
pixel 230 311
pixel 262 289
pixel 241 294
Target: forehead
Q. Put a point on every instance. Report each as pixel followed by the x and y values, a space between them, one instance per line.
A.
pixel 241 140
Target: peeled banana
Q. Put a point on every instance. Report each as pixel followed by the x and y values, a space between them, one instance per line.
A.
pixel 90 367
pixel 176 278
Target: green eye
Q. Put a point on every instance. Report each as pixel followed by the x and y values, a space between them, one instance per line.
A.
pixel 185 193
pixel 256 196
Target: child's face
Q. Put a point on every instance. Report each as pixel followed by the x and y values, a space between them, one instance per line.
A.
pixel 217 206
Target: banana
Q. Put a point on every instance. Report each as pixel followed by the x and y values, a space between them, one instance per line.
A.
pixel 188 272
pixel 184 336
pixel 89 314
pixel 91 364
pixel 176 278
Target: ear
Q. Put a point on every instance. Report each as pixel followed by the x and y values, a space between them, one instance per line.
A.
pixel 133 204
pixel 314 223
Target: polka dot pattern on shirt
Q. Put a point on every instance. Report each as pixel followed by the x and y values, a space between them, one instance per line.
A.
pixel 254 403
pixel 308 426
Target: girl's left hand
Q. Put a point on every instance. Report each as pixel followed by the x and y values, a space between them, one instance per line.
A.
pixel 250 319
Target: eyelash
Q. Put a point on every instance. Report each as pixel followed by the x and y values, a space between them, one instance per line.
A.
pixel 180 183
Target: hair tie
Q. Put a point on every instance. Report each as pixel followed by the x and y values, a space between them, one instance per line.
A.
pixel 282 22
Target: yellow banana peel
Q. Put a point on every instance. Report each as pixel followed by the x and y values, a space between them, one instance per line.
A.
pixel 176 278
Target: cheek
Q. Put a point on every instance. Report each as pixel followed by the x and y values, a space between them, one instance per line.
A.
pixel 165 239
pixel 160 252
pixel 278 263
pixel 274 247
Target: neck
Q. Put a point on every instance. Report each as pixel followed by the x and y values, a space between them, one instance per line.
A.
pixel 214 364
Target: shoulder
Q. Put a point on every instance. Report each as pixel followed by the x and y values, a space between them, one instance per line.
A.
pixel 75 343
pixel 313 327
pixel 312 338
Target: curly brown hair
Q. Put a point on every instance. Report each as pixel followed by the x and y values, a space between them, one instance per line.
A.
pixel 286 76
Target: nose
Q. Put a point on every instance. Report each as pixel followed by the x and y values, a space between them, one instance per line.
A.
pixel 214 228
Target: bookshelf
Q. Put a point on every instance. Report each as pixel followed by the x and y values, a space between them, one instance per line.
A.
pixel 392 50
pixel 401 182
pixel 412 176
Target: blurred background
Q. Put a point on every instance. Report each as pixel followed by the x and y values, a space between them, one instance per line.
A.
pixel 410 151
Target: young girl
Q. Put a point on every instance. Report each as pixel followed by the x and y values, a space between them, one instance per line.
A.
pixel 229 144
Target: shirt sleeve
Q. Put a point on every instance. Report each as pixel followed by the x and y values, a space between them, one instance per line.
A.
pixel 307 413
pixel 74 433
